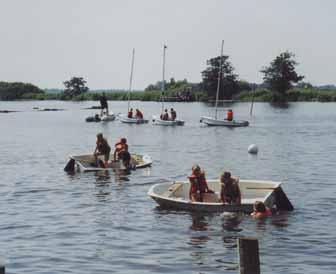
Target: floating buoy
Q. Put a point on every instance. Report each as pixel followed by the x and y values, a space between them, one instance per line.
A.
pixel 253 149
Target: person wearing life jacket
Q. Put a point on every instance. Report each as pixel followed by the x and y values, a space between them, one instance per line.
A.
pixel 229 115
pixel 121 152
pixel 230 191
pixel 165 115
pixel 173 114
pixel 138 114
pixel 130 113
pixel 102 148
pixel 260 210
pixel 198 185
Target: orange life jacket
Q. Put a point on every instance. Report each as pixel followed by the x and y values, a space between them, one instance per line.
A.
pixel 229 116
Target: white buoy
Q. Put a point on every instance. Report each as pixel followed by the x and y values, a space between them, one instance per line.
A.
pixel 253 149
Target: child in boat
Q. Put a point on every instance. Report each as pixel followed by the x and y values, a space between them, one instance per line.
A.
pixel 173 114
pixel 138 114
pixel 102 148
pixel 230 191
pixel 260 210
pixel 198 185
pixel 130 113
pixel 121 152
pixel 229 115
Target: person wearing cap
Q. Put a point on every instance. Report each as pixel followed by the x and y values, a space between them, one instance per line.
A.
pixel 102 148
pixel 198 184
pixel 230 191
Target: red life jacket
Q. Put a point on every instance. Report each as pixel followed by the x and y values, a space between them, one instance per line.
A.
pixel 198 183
pixel 130 114
pixel 229 116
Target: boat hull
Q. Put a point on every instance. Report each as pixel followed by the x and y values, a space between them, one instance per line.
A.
pixel 176 196
pixel 216 122
pixel 108 118
pixel 126 120
pixel 87 163
pixel 160 122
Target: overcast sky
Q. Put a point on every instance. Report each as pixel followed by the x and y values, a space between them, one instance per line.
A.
pixel 46 42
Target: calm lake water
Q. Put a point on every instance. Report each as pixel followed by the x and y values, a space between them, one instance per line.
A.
pixel 52 222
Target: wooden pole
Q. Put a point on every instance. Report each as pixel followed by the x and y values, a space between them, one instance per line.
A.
pixel 248 249
pixel 2 269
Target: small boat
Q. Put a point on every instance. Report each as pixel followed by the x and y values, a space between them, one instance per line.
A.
pixel 124 119
pixel 175 195
pixel 210 121
pixel 215 121
pixel 157 121
pixel 87 163
pixel 108 118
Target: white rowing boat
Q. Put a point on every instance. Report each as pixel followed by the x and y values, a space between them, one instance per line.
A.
pixel 210 121
pixel 124 119
pixel 176 196
pixel 158 121
pixel 87 163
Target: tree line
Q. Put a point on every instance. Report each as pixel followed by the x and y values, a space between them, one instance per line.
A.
pixel 279 77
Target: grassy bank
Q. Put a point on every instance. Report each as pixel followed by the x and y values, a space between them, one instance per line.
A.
pixel 294 95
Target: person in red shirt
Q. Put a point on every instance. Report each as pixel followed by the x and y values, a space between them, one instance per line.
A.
pixel 130 113
pixel 229 115
pixel 260 210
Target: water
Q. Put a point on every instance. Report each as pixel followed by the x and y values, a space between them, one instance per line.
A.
pixel 52 222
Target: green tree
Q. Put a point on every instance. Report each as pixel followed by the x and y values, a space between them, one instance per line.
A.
pixel 228 79
pixel 75 86
pixel 281 75
pixel 18 90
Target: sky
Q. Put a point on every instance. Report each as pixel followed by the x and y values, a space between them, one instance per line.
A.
pixel 46 42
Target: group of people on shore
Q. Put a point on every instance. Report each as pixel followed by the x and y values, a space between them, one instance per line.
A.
pixel 229 191
pixel 120 151
pixel 165 116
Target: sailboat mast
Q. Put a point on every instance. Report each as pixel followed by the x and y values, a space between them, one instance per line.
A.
pixel 163 77
pixel 219 77
pixel 130 82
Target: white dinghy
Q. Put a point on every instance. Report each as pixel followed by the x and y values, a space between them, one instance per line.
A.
pixel 157 118
pixel 210 121
pixel 124 118
pixel 175 195
pixel 158 121
pixel 87 163
pixel 215 121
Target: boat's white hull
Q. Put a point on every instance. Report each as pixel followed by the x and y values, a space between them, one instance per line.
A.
pixel 157 121
pixel 108 118
pixel 125 119
pixel 87 162
pixel 176 196
pixel 210 121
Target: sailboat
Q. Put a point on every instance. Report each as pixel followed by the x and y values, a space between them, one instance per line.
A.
pixel 157 119
pixel 124 118
pixel 215 121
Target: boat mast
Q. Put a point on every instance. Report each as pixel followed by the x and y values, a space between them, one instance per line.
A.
pixel 130 82
pixel 163 77
pixel 219 77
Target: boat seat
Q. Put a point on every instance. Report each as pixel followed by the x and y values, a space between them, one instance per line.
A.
pixel 173 189
pixel 210 198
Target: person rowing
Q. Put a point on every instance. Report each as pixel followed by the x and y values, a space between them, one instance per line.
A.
pixel 102 148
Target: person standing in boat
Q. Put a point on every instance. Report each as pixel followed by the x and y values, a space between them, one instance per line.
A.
pixel 102 148
pixel 103 104
pixel 229 115
pixel 230 191
pixel 172 114
pixel 121 152
pixel 198 184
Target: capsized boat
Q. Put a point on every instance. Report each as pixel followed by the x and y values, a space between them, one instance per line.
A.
pixel 87 163
pixel 210 121
pixel 175 195
pixel 158 121
pixel 124 119
pixel 108 118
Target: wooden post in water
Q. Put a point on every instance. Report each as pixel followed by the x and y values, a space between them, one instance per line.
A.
pixel 248 250
pixel 2 269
